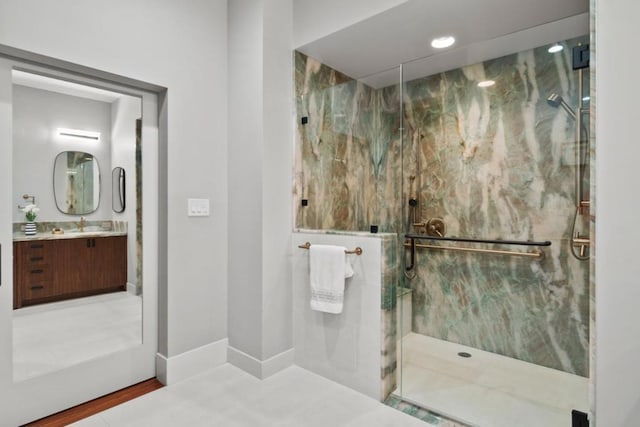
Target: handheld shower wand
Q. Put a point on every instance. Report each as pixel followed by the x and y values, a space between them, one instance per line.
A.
pixel 556 101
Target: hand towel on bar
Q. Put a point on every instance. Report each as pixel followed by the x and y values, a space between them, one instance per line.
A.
pixel 328 269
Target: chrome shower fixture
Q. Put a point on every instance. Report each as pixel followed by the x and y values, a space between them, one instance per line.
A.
pixel 556 101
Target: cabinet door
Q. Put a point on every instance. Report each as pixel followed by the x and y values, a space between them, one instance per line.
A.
pixel 109 261
pixel 73 267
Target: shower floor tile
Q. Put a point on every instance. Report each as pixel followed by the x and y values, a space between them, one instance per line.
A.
pixel 487 389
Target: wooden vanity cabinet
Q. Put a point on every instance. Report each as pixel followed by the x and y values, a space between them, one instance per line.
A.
pixel 52 270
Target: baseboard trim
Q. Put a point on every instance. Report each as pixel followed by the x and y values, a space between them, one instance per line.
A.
pixel 182 366
pixel 132 289
pixel 260 368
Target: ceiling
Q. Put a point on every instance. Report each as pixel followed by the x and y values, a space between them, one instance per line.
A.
pixel 372 50
pixel 38 81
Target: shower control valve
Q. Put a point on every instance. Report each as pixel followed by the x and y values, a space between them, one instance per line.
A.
pixel 435 227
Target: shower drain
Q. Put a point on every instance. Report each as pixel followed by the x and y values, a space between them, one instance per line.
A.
pixel 464 354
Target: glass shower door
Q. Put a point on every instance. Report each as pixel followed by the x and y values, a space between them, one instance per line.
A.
pixel 494 308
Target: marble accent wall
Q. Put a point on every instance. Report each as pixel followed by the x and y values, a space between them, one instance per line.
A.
pixel 499 163
pixel 348 154
pixel 389 315
pixel 495 162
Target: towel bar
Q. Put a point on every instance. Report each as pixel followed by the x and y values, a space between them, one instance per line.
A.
pixel 357 250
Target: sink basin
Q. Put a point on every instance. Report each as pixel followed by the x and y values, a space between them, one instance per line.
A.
pixel 88 229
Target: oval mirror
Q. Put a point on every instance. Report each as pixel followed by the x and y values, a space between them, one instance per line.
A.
pixel 118 189
pixel 76 182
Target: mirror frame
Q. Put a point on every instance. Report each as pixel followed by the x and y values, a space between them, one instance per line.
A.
pixel 55 195
pixel 118 189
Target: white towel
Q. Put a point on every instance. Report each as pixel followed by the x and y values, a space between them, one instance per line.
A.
pixel 328 267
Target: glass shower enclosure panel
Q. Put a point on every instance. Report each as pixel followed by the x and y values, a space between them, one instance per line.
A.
pixel 348 149
pixel 493 296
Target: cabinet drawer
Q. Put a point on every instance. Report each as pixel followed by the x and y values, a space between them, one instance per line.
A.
pixel 34 247
pixel 35 259
pixel 37 272
pixel 34 253
pixel 37 289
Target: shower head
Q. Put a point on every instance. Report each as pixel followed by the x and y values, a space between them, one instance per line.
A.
pixel 556 101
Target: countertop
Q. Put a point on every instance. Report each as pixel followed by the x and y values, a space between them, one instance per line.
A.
pixel 20 237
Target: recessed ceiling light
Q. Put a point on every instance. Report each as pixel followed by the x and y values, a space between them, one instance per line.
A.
pixel 442 42
pixel 557 47
pixel 486 83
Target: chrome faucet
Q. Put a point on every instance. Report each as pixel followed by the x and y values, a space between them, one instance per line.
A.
pixel 81 224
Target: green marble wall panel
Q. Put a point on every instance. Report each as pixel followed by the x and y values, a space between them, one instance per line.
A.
pixel 348 154
pixel 499 163
pixel 389 330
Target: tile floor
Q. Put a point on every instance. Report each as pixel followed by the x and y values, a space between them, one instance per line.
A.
pixel 228 397
pixel 488 389
pixel 485 390
pixel 49 337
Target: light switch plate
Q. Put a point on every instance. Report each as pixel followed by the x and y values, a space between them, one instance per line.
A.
pixel 198 207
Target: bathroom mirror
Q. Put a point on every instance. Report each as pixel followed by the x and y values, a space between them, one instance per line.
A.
pixel 76 182
pixel 118 189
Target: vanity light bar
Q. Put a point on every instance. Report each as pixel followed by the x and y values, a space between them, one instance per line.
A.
pixel 79 133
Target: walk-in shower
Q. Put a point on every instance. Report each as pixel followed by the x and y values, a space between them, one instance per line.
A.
pixel 484 311
pixel 497 202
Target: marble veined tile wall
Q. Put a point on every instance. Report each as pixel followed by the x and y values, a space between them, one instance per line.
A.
pixel 348 153
pixel 499 162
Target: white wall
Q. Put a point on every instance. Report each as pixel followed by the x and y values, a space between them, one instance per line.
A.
pixel 37 115
pixel 245 176
pixel 181 46
pixel 315 19
pixel 617 373
pixel 278 111
pixel 124 113
pixel 260 158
